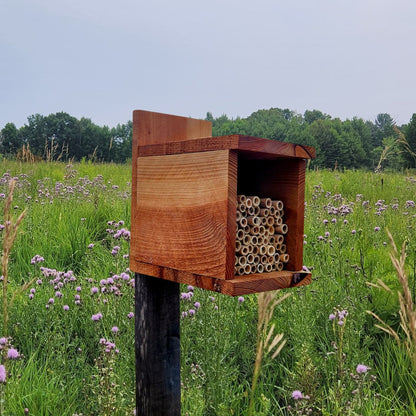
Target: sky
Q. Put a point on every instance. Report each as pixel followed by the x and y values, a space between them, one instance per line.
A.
pixel 103 59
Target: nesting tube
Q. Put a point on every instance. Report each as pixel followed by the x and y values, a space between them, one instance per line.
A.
pixel 260 235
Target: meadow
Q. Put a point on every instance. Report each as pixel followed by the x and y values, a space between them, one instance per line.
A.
pixel 67 337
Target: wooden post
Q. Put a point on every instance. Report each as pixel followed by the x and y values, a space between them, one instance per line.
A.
pixel 158 384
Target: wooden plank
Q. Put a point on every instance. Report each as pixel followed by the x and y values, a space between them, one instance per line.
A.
pixel 260 148
pixel 240 285
pixel 183 211
pixel 155 128
pixel 157 345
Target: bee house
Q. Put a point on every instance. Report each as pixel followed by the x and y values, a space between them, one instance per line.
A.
pixel 221 213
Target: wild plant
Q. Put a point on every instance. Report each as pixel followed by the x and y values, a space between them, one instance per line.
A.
pixel 267 341
pixel 11 227
pixel 407 310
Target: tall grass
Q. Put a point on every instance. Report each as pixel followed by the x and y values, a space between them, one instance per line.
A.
pixel 74 212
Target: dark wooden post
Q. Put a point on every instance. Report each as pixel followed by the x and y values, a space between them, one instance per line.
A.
pixel 158 384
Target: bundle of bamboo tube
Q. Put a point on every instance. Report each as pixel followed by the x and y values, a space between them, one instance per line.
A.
pixel 260 235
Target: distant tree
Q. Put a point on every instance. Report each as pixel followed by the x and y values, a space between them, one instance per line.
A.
pixel 10 141
pixel 383 127
pixel 312 115
pixel 121 142
pixel 408 143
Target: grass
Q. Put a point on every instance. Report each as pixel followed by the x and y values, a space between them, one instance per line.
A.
pixel 73 213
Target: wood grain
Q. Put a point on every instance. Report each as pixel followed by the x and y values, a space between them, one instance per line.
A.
pixel 183 215
pixel 155 128
pixel 240 285
pixel 253 146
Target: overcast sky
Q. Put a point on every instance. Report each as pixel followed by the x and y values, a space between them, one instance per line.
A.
pixel 102 59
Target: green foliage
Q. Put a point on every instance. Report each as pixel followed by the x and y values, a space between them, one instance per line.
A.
pixel 346 217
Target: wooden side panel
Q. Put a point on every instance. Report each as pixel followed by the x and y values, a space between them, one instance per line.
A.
pixel 241 285
pixel 282 179
pixel 156 128
pixel 182 212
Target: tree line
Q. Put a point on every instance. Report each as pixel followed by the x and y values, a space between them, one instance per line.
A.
pixel 346 144
pixel 61 136
pixel 349 144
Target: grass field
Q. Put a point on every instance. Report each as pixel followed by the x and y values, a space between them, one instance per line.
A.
pixel 67 342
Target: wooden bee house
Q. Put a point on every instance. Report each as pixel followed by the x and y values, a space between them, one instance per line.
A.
pixel 186 191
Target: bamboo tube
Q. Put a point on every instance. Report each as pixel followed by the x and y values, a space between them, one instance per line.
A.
pixel 264 212
pixel 277 247
pixel 268 268
pixel 272 211
pixel 262 250
pixel 270 259
pixel 284 257
pixel 281 229
pixel 256 259
pixel 241 207
pixel 270 229
pixel 247 269
pixel 277 221
pixel 263 221
pixel 260 268
pixel 279 266
pixel 248 202
pixel 262 230
pixel 243 251
pixel 270 220
pixel 242 261
pixel 250 248
pixel 270 250
pixel 279 238
pixel 254 230
pixel 253 268
pixel 237 246
pixel 247 229
pixel 243 222
pixel 255 250
pixel 251 211
pixel 272 240
pixel 260 240
pixel 236 261
pixel 265 202
pixel 246 240
pixel 240 270
pixel 278 205
pixel 256 211
pixel 263 260
pixel 240 234
pixel 250 258
pixel 255 200
pixel 254 240
pixel 283 248
pixel 252 220
pixel 241 198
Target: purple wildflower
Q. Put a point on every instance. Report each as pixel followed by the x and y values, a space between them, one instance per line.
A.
pixel 51 301
pixel 191 312
pixel 91 246
pixel 353 232
pixel 240 299
pixel 297 395
pixel 97 316
pixel 130 315
pixel 13 354
pixel 331 317
pixel 361 369
pixel 94 290
pixel 66 308
pixel 2 373
pixel 114 330
pixel 3 341
pixel 197 305
pixel 376 228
